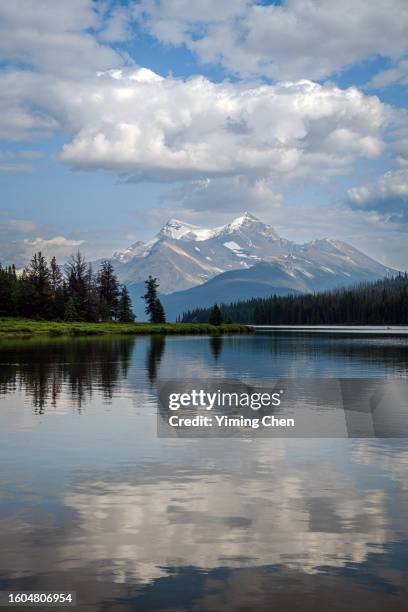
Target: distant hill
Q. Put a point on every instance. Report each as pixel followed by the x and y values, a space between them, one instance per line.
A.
pixel 383 302
pixel 264 279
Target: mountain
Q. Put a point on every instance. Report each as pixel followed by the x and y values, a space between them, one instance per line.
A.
pixel 381 302
pixel 245 258
pixel 183 255
pixel 291 276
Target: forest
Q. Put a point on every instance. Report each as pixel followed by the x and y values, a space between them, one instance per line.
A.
pixel 382 302
pixel 70 293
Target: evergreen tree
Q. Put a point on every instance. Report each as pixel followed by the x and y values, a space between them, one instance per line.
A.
pixel 125 312
pixel 160 316
pixel 58 291
pixel 215 315
pixel 55 276
pixel 108 286
pixel 74 294
pixel 104 311
pixel 150 298
pixel 77 275
pixel 93 297
pixel 8 282
pixel 38 276
pixel 71 310
pixel 382 302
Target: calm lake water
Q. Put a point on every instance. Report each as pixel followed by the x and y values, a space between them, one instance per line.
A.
pixel 91 500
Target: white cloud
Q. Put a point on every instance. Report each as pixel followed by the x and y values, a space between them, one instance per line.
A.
pixel 117 26
pixel 59 246
pixel 226 194
pixel 55 37
pixel 387 196
pixel 146 127
pixel 20 252
pixel 311 39
pixel 20 118
pixel 197 129
pixel 397 74
pixel 57 242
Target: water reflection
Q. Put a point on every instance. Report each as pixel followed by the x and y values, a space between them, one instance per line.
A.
pixel 47 369
pixel 154 356
pixel 216 346
pixel 91 499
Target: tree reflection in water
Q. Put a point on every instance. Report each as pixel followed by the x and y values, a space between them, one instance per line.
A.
pixel 42 369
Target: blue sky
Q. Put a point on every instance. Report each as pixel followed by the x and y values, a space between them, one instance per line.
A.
pixel 116 116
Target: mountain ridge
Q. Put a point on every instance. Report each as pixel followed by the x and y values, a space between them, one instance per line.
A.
pixel 185 257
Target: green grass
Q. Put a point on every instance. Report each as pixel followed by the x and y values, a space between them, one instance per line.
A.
pixel 27 327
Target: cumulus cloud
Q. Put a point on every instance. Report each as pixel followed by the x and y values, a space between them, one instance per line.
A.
pixel 312 39
pixel 387 196
pixel 196 129
pixel 20 251
pixel 219 144
pixel 55 245
pixel 138 124
pixel 146 127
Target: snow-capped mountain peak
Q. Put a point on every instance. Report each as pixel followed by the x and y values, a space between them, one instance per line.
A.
pixel 248 223
pixel 181 230
pixel 176 229
pixel 245 219
pixel 135 250
pixel 183 255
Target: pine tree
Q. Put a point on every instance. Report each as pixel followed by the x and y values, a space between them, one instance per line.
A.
pixel 104 311
pixel 8 281
pixel 93 297
pixel 125 312
pixel 215 315
pixel 55 276
pixel 76 271
pixel 150 298
pixel 160 316
pixel 57 307
pixel 71 310
pixel 38 276
pixel 108 286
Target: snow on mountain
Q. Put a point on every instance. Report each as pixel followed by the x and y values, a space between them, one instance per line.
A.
pixel 183 256
pixel 138 249
pixel 177 230
pixel 245 225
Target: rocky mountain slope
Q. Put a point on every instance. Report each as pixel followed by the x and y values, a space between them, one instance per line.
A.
pixel 223 264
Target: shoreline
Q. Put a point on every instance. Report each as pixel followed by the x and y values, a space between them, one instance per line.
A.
pixel 25 328
pixel 396 330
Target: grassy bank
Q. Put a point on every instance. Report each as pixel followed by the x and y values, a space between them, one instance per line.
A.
pixel 27 327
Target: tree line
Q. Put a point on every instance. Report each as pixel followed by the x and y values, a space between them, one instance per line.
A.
pixel 382 302
pixel 73 292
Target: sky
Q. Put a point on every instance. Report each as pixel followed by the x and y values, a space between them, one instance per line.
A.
pixel 118 115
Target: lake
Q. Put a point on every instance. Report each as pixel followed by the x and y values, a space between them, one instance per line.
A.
pixel 91 500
